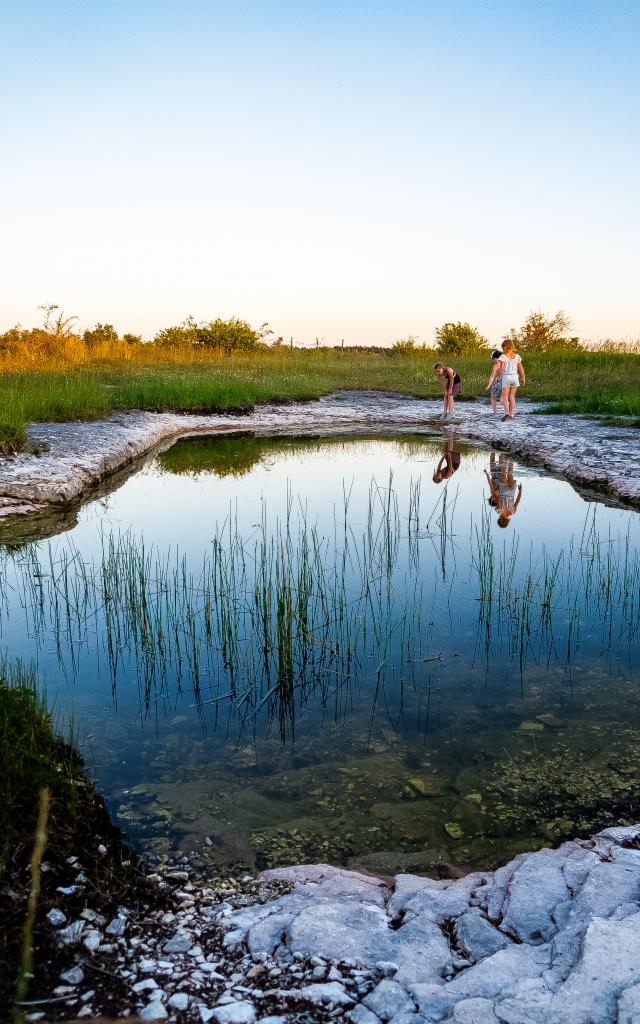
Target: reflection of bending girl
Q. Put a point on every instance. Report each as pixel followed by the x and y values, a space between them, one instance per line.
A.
pixel 449 463
pixel 502 486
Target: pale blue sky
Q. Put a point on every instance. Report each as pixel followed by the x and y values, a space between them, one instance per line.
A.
pixel 359 171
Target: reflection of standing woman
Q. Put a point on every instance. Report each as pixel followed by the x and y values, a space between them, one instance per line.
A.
pixel 512 377
pixel 502 485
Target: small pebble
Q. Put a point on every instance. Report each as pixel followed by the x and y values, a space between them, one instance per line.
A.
pixel 57 919
pixel 73 976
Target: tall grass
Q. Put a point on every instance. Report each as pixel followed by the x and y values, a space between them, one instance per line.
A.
pixel 165 378
pixel 26 960
pixel 269 620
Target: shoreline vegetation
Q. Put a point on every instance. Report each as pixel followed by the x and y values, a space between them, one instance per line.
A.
pixel 55 832
pixel 53 374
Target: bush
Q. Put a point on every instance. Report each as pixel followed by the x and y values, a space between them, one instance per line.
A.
pixel 101 334
pixel 232 335
pixel 459 339
pixel 542 332
pixel 405 346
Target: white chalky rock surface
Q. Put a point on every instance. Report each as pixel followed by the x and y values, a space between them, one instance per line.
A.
pixel 553 937
pixel 79 456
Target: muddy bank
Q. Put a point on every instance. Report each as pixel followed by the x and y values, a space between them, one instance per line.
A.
pixel 77 460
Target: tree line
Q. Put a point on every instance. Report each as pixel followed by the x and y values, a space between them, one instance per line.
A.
pixel 540 332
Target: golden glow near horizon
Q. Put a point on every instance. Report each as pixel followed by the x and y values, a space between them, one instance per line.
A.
pixel 363 174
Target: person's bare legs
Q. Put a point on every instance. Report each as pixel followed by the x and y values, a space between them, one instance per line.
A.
pixel 504 398
pixel 494 403
pixel 451 405
pixel 508 398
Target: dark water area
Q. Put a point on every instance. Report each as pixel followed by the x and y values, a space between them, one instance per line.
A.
pixel 384 652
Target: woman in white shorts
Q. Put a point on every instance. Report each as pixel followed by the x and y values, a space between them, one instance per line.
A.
pixel 510 365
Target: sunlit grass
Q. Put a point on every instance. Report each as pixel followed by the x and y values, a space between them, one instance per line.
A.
pixel 150 378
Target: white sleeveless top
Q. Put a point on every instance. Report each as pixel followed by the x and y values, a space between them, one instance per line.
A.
pixel 510 366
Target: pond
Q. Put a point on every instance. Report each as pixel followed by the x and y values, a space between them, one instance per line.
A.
pixel 387 652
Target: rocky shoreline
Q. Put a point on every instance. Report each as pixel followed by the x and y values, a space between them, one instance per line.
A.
pixel 68 462
pixel 553 937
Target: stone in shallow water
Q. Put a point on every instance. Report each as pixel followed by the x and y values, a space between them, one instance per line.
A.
pixel 551 721
pixel 530 727
pixel 428 785
pixel 453 829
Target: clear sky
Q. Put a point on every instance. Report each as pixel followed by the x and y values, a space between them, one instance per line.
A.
pixel 356 170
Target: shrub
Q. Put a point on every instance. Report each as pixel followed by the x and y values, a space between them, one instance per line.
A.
pixel 232 335
pixel 405 346
pixel 101 334
pixel 542 332
pixel 459 339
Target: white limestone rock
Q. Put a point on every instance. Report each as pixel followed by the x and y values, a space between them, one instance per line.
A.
pixel 242 1012
pixel 388 999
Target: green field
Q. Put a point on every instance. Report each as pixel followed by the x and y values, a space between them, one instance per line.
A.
pixel 602 383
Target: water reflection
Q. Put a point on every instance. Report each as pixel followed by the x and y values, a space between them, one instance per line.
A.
pixel 311 649
pixel 505 493
pixel 449 461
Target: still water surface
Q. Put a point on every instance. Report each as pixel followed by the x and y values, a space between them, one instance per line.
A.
pixel 381 652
